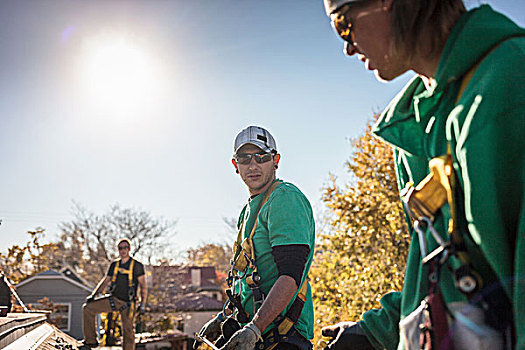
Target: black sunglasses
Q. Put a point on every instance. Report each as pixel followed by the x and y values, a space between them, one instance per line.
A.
pixel 246 158
pixel 341 23
pixel 123 247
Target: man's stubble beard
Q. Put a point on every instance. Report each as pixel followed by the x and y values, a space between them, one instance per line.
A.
pixel 266 181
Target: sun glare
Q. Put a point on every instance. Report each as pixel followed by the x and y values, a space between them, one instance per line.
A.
pixel 121 78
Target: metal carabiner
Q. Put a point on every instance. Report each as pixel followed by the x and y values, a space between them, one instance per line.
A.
pixel 443 246
pixel 225 306
pixel 421 238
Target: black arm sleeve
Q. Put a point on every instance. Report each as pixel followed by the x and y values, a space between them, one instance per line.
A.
pixel 290 260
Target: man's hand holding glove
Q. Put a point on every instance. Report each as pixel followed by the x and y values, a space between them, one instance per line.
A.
pixel 244 339
pixel 346 336
pixel 211 330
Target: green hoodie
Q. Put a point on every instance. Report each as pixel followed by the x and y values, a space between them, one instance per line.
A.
pixel 486 130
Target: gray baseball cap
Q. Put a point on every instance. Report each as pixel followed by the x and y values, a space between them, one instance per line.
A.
pixel 255 135
pixel 331 6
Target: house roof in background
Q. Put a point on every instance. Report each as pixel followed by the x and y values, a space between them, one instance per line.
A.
pixel 197 302
pixel 69 272
pixel 49 272
pixel 182 275
pixel 52 274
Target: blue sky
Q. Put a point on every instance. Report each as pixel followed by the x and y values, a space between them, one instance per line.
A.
pixel 138 103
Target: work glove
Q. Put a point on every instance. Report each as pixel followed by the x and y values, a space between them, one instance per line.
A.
pixel 228 329
pixel 244 339
pixel 211 330
pixel 346 336
pixel 90 298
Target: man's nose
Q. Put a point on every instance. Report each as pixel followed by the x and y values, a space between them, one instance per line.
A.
pixel 349 49
pixel 252 164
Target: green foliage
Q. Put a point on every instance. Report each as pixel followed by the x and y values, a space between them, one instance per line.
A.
pixel 364 255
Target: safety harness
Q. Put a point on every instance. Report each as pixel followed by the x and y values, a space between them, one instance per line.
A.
pixel 131 291
pixel 423 203
pixel 243 261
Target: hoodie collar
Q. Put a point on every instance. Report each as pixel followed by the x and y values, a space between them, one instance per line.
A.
pixel 476 33
pixel 404 121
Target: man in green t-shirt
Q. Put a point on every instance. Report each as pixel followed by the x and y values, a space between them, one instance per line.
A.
pixel 268 279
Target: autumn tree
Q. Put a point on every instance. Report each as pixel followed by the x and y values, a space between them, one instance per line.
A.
pixel 210 254
pixel 215 254
pixel 88 242
pixel 13 263
pixel 22 261
pixel 42 256
pixel 363 255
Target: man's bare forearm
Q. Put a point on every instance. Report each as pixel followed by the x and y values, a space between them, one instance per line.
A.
pixel 280 295
pixel 101 285
pixel 143 288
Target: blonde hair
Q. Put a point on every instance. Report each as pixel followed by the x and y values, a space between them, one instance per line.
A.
pixel 421 27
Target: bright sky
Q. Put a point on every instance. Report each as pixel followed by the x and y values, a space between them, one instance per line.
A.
pixel 138 103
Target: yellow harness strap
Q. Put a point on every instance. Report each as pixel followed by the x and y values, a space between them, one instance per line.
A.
pixel 287 323
pixel 244 255
pixel 468 76
pixel 123 271
pixel 265 199
pixel 443 169
pixel 128 272
pixel 115 271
